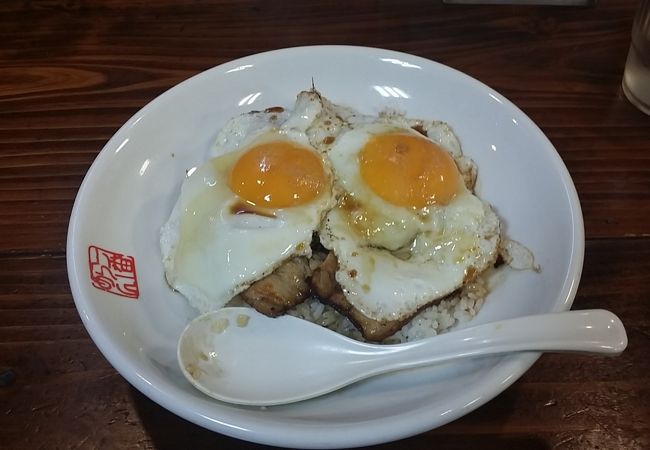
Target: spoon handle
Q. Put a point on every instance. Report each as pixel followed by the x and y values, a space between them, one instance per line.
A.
pixel 591 331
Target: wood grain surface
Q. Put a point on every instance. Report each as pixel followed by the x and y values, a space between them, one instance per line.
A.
pixel 72 72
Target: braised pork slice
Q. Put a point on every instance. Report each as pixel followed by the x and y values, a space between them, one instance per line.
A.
pixel 282 290
pixel 325 286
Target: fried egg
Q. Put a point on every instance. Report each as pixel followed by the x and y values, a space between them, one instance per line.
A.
pixel 254 204
pixel 406 230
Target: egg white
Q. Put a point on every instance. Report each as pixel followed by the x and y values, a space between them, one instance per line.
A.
pixel 312 121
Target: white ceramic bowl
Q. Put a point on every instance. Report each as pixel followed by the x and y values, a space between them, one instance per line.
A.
pixel 132 185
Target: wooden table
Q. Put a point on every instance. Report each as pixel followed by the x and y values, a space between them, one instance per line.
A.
pixel 72 71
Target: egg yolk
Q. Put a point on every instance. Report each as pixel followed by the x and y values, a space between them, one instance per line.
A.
pixel 278 174
pixel 407 170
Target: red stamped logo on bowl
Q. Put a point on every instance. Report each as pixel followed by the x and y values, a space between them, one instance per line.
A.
pixel 113 272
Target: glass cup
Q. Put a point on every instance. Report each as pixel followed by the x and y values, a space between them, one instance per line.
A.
pixel 636 78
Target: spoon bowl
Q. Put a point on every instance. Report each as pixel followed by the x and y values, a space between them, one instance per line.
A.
pixel 240 356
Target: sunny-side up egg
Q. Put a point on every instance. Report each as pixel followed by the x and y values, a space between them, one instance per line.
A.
pixel 248 209
pixel 407 231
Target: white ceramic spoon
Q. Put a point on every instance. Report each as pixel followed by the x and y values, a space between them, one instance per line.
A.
pixel 240 356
